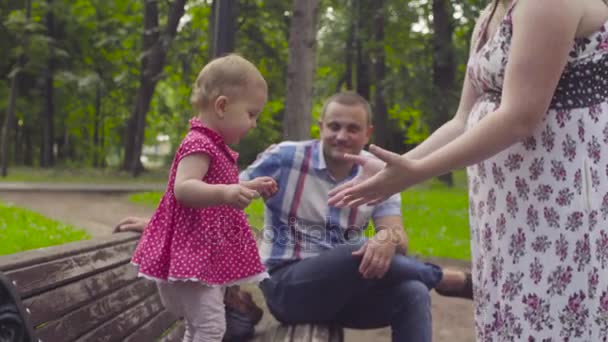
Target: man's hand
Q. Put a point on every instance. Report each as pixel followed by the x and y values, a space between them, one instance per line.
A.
pixel 265 186
pixel 131 224
pixel 239 196
pixel 377 255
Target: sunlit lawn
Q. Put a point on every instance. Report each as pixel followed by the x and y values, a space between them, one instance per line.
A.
pixel 435 217
pixel 22 229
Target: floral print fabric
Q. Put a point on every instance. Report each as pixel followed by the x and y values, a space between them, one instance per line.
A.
pixel 539 209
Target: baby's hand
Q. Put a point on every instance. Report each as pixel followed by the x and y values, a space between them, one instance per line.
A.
pixel 239 196
pixel 265 186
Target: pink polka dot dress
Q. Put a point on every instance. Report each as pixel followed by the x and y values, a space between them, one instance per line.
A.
pixel 213 245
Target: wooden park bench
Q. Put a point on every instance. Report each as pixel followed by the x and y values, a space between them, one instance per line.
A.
pixel 88 291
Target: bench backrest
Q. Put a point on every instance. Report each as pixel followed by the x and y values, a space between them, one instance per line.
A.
pixel 89 291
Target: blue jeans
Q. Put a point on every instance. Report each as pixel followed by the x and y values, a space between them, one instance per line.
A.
pixel 329 289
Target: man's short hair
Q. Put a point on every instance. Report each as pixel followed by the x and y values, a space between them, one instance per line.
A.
pixel 223 76
pixel 349 98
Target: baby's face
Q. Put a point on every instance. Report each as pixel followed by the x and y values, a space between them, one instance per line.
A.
pixel 243 111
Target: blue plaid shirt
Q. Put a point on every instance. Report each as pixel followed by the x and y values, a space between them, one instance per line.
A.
pixel 298 223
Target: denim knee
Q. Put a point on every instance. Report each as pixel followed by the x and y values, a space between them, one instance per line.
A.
pixel 413 294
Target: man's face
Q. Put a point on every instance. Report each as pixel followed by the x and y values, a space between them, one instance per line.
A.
pixel 344 129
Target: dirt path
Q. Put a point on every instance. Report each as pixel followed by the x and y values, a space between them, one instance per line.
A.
pixel 97 213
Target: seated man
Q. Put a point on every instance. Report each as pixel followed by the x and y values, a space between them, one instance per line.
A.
pixel 323 269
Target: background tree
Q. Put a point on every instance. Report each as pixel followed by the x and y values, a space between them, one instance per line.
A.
pixel 444 68
pixel 92 94
pixel 224 26
pixel 155 48
pixel 300 69
pixel 15 77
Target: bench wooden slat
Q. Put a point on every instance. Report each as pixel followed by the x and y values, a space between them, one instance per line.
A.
pixel 91 316
pixel 58 272
pixel 42 255
pixel 126 323
pixel 176 334
pixel 152 330
pixel 55 303
pixel 276 334
pixel 301 333
pixel 315 333
pixel 320 333
pixel 336 334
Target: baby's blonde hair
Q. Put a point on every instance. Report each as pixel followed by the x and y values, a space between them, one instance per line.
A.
pixel 224 76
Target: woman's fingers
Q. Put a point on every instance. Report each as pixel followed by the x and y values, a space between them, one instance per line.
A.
pixel 384 155
pixel 337 193
pixel 357 159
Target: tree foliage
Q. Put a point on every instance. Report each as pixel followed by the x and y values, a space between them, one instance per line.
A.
pixel 96 49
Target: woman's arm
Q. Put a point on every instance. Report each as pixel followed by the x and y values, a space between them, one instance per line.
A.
pixel 543 35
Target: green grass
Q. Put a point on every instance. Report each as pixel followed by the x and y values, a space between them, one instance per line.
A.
pixel 22 230
pixel 82 175
pixel 435 217
pixel 149 199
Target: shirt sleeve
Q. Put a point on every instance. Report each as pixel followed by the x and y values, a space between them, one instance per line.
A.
pixel 267 164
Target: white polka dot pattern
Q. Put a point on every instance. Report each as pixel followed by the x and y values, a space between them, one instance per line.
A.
pixel 213 245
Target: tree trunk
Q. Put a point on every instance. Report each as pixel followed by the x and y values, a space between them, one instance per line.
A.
pixel 102 139
pixel 381 121
pixel 46 148
pixel 96 126
pixel 8 122
pixel 155 49
pixel 12 104
pixel 363 9
pixel 224 27
pixel 18 145
pixel 350 40
pixel 300 70
pixel 347 78
pixel 28 153
pixel 444 68
pixel 68 148
pixel 211 25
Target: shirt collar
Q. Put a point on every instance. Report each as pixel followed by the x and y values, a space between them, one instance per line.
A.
pixel 216 138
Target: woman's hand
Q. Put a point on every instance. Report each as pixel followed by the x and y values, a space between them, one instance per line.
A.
pixel 372 187
pixel 369 167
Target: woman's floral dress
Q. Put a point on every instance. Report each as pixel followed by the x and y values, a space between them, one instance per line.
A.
pixel 539 209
